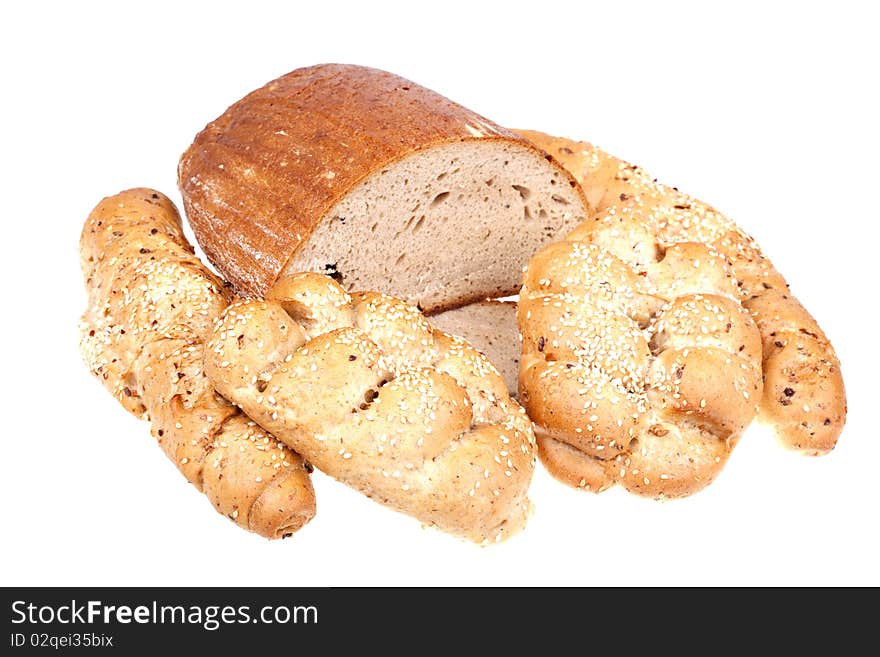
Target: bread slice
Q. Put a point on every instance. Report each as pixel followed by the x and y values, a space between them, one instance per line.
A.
pixel 376 181
pixel 490 326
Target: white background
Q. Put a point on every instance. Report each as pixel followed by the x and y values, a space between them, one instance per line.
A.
pixel 765 110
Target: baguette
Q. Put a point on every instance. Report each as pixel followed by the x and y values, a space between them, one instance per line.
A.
pixel 804 399
pixel 372 395
pixel 376 181
pixel 151 305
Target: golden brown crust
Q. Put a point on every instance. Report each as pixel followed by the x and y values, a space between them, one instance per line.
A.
pixel 571 466
pixel 258 179
pixel 371 394
pixel 151 304
pixel 804 397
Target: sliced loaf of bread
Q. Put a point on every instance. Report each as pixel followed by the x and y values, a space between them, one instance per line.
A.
pixel 377 181
pixel 490 326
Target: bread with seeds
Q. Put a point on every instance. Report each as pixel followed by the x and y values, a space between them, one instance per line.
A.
pixel 636 371
pixel 364 388
pixel 151 306
pixel 637 219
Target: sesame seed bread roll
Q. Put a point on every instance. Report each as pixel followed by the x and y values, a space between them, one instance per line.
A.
pixel 803 391
pixel 370 393
pixel 151 305
pixel 639 371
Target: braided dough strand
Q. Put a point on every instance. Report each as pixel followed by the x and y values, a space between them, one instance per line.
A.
pixel 371 394
pixel 151 304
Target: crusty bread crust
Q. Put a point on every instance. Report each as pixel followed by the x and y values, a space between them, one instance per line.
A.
pixel 804 398
pixel 151 305
pixel 258 180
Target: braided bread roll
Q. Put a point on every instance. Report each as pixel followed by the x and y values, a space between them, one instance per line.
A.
pixel 151 304
pixel 634 369
pixel 803 391
pixel 371 394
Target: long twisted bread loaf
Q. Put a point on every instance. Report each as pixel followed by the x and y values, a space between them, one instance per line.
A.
pixel 371 394
pixel 151 304
pixel 803 391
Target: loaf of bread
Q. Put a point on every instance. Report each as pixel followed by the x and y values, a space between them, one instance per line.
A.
pixel 376 181
pixel 365 389
pixel 803 391
pixel 489 326
pixel 151 305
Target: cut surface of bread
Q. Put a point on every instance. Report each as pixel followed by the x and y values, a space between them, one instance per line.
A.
pixel 490 326
pixel 445 226
pixel 376 181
